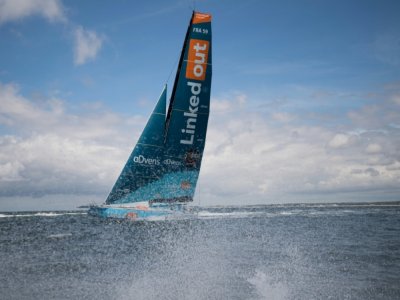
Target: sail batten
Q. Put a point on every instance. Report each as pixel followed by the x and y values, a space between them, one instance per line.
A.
pixel 158 146
pixel 164 165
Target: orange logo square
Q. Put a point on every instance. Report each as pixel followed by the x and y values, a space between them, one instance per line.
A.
pixel 197 59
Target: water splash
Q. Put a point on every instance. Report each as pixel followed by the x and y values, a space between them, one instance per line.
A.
pixel 266 288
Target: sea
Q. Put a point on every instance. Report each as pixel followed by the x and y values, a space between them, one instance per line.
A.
pixel 302 251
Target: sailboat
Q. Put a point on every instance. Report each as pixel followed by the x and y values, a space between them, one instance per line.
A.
pixel 161 174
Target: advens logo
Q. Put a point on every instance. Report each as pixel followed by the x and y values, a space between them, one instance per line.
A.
pixel 197 59
pixel 148 161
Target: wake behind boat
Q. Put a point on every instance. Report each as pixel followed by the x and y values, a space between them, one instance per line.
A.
pixel 161 173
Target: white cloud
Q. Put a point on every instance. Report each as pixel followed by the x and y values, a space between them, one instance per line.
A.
pixel 396 99
pixel 339 140
pixel 232 102
pixel 283 117
pixel 87 45
pixel 373 148
pixel 51 151
pixel 251 157
pixel 17 110
pixel 13 10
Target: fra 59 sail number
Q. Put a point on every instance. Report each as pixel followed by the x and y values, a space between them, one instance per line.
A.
pixel 200 30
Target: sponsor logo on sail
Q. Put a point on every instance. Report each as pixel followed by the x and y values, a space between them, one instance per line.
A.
pixel 148 161
pixel 197 59
pixel 201 18
pixel 196 70
pixel 171 162
pixel 191 115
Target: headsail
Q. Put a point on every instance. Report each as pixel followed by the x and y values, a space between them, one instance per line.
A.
pixel 143 165
pixel 165 164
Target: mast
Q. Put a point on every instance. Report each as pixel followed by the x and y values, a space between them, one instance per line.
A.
pixel 171 101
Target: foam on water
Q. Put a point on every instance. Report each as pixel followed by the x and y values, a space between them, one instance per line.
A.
pixel 39 214
pixel 266 288
pixel 59 235
pixel 215 215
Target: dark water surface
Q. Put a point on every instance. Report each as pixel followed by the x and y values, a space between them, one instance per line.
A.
pixel 263 252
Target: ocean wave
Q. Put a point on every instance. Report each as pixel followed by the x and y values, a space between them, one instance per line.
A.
pixel 238 214
pixel 59 235
pixel 39 214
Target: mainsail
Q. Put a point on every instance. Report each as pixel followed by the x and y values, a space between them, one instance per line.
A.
pixel 164 165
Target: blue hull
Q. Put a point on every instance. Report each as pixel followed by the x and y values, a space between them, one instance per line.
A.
pixel 133 213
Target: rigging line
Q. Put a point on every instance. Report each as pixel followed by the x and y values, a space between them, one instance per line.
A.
pixel 172 69
pixel 192 5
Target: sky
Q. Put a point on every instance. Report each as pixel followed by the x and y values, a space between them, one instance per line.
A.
pixel 305 103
